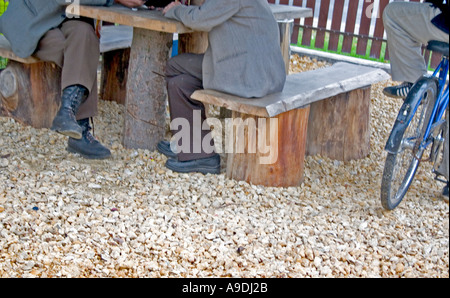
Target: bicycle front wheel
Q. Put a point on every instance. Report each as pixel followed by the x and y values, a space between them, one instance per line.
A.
pixel 401 166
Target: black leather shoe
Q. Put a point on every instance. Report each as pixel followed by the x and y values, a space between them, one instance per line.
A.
pixel 64 121
pixel 445 192
pixel 164 148
pixel 87 146
pixel 209 165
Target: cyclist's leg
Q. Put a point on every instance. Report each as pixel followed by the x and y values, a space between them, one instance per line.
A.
pixel 443 167
pixel 446 145
pixel 408 26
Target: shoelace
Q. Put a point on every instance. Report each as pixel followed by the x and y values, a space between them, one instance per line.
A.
pixel 90 137
pixel 91 120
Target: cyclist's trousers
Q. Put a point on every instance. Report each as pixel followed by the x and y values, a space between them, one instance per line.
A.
pixel 408 26
pixel 443 168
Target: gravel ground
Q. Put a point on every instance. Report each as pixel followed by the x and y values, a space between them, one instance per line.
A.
pixel 128 216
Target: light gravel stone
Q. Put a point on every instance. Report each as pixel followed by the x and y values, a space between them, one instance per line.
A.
pixel 128 216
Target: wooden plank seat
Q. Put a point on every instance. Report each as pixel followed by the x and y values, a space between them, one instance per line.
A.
pixel 325 111
pixel 30 89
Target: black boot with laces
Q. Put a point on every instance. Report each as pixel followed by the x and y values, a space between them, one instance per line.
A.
pixel 87 146
pixel 64 121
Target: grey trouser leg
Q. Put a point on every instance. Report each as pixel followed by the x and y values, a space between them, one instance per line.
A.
pixel 408 26
pixel 443 168
pixel 74 47
pixel 184 76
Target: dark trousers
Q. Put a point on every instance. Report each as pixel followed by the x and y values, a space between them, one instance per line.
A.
pixel 75 48
pixel 184 76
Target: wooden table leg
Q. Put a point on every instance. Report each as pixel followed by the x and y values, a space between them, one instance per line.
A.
pixel 114 75
pixel 145 113
pixel 285 27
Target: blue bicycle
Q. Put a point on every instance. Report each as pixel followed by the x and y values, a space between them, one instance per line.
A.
pixel 420 128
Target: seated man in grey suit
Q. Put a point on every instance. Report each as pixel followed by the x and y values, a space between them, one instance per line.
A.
pixel 42 29
pixel 243 58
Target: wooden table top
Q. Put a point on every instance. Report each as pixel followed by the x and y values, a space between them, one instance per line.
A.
pixel 154 20
pixel 141 18
pixel 282 12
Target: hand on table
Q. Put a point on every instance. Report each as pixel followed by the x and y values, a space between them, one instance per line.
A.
pixel 170 6
pixel 131 3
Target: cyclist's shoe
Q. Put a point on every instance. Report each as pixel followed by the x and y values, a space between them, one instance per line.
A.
pixel 399 91
pixel 445 192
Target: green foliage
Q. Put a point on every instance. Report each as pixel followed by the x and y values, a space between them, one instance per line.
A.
pixel 3 6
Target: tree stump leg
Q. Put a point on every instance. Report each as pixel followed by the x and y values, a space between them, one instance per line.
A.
pixel 31 93
pixel 145 113
pixel 270 154
pixel 114 75
pixel 339 127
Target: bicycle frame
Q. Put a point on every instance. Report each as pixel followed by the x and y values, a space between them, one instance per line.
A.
pixel 407 112
pixel 441 103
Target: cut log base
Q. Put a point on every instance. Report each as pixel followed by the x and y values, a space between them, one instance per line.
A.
pixel 30 93
pixel 274 151
pixel 339 127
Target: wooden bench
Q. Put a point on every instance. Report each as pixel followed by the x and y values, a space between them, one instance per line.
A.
pixel 325 111
pixel 30 89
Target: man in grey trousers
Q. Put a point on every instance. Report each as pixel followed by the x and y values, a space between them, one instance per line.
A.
pixel 243 58
pixel 409 25
pixel 42 29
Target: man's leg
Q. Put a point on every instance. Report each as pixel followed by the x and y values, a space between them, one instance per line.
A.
pixel 184 76
pixel 443 168
pixel 81 58
pixel 51 48
pixel 408 26
pixel 75 48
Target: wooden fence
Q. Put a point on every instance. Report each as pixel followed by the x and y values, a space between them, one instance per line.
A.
pixel 352 27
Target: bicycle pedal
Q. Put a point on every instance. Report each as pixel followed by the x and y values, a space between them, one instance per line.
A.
pixel 437 178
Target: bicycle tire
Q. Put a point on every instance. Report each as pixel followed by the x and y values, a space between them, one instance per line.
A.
pixel 401 166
